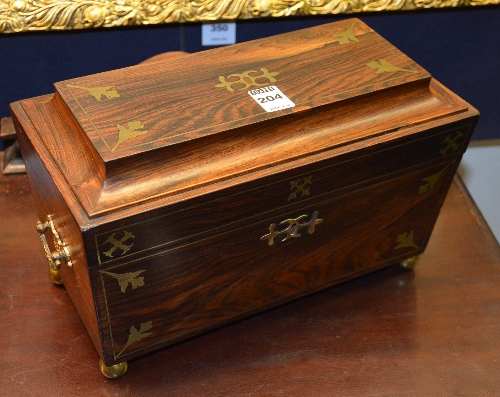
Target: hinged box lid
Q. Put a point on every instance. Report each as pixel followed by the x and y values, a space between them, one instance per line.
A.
pixel 133 135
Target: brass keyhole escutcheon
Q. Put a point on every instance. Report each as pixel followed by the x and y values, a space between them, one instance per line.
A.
pixel 61 252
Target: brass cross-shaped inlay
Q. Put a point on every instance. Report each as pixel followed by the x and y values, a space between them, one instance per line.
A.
pixel 301 188
pixel 119 244
pixel 452 144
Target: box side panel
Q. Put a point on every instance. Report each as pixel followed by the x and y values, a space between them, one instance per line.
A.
pixel 49 201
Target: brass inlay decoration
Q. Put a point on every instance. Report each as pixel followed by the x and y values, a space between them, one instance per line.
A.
pixel 274 185
pixel 384 66
pixel 293 228
pixel 98 92
pixel 136 336
pixel 36 15
pixel 164 247
pixel 301 188
pixel 125 279
pixel 131 131
pixel 247 79
pixel 119 244
pixel 405 240
pixel 61 249
pixel 346 36
pixel 430 182
pixel 452 143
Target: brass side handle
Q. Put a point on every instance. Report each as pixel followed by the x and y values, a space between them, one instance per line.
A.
pixel 62 251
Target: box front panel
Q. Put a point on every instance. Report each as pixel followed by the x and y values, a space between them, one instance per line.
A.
pixel 225 274
pixel 227 210
pixel 50 203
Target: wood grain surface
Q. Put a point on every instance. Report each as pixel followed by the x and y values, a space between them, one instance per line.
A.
pixel 214 278
pixel 212 266
pixel 431 332
pixel 369 125
pixel 180 100
pixel 382 146
pixel 186 133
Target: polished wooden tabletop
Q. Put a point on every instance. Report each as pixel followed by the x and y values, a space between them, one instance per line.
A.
pixel 434 331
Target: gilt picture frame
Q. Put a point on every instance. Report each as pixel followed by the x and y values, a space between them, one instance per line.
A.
pixel 52 15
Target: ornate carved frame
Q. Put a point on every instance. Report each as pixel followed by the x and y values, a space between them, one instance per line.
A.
pixel 36 15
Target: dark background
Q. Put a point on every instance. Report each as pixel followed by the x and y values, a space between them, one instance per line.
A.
pixel 459 47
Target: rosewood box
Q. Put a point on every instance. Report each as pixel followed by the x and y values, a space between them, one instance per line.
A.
pixel 175 197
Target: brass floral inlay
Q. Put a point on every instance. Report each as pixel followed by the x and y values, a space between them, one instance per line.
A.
pixel 384 66
pixel 346 36
pixel 98 92
pixel 131 131
pixel 125 279
pixel 405 240
pixel 136 336
pixel 430 182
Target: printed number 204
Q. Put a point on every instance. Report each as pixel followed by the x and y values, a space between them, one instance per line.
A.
pixel 269 98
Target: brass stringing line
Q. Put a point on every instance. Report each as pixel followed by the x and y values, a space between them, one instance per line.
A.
pixel 402 255
pixel 264 213
pixel 97 247
pixel 383 45
pixel 258 114
pixel 394 258
pixel 109 316
pixel 225 226
pixel 398 54
pixel 132 225
pixel 450 176
pixel 163 252
pixel 88 117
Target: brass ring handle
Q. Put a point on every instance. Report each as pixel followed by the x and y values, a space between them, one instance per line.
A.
pixel 61 252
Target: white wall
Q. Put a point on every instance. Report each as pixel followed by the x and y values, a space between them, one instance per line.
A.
pixel 480 171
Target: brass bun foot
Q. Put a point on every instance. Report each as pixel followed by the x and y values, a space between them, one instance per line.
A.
pixel 55 276
pixel 115 371
pixel 410 263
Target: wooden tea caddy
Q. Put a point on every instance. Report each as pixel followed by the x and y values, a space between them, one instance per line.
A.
pixel 171 201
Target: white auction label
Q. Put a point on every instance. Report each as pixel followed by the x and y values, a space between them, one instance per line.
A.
pixel 218 34
pixel 271 98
